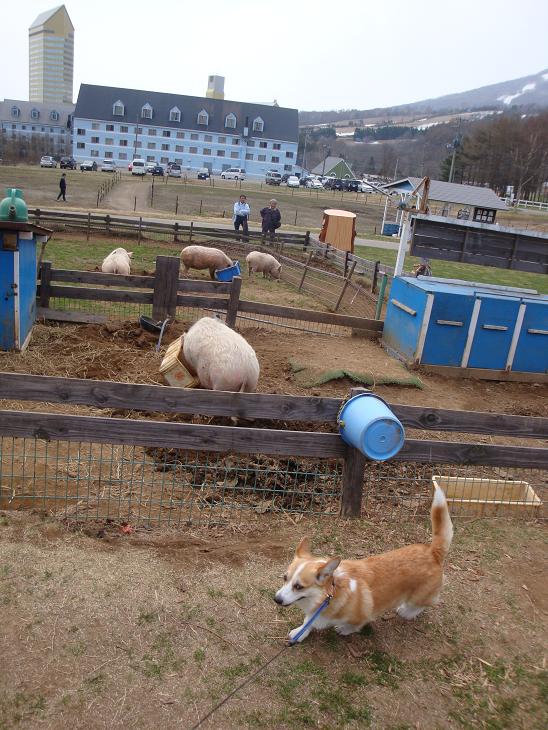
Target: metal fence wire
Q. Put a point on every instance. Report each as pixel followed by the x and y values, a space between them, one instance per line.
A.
pixel 83 481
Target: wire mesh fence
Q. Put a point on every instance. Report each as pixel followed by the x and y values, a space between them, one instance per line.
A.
pixel 83 481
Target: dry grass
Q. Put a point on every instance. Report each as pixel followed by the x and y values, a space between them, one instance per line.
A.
pixel 146 630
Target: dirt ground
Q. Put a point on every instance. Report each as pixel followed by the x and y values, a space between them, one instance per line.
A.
pixel 152 629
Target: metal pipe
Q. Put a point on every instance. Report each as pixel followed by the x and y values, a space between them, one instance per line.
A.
pixel 380 298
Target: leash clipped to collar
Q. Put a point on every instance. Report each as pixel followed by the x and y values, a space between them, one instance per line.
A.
pixel 311 620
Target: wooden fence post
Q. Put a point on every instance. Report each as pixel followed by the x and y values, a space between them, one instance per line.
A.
pixel 166 281
pixel 233 302
pixel 45 283
pixel 344 286
pixel 305 267
pixel 307 239
pixel 176 232
pixel 353 470
pixel 88 226
pixel 346 255
pixel 190 232
pixel 140 228
pixel 374 277
pixel 107 224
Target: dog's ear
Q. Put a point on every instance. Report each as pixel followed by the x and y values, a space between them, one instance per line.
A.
pixel 327 569
pixel 303 548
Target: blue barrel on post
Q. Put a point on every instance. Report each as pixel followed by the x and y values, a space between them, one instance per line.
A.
pixel 366 422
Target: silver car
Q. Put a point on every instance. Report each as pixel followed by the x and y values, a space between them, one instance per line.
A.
pixel 47 161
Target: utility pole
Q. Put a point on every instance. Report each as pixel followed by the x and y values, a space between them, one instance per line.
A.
pixel 136 136
pixel 456 146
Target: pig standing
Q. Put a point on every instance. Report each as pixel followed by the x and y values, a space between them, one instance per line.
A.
pixel 203 257
pixel 220 357
pixel 263 262
pixel 117 262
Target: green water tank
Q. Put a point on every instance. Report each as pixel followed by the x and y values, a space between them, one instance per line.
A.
pixel 13 208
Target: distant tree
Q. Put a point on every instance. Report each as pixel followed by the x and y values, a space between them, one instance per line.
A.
pixel 371 165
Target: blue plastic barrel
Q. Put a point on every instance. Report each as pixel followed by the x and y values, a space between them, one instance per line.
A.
pixel 229 273
pixel 368 424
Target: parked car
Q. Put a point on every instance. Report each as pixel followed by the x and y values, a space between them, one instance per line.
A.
pixel 89 165
pixel 303 180
pixel 175 170
pixel 285 177
pixel 108 166
pixel 204 173
pixel 351 186
pixel 273 178
pixel 138 167
pixel 48 161
pixel 149 167
pixel 67 163
pixel 157 170
pixel 313 182
pixel 333 183
pixel 233 173
pixel 365 187
pixel 292 181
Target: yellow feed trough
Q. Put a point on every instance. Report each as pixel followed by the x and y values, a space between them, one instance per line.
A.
pixel 473 495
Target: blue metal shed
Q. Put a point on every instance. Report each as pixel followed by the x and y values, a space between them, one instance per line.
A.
pixel 449 323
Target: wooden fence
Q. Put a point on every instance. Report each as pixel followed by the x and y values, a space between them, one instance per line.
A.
pixel 275 441
pixel 165 292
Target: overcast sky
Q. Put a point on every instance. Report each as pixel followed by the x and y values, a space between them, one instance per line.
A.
pixel 322 54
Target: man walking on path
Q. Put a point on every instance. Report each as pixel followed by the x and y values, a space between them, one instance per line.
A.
pixel 62 187
pixel 272 219
pixel 241 214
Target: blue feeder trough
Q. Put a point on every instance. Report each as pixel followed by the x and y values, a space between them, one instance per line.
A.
pixel 368 424
pixel 229 273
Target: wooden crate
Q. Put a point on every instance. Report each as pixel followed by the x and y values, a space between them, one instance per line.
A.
pixel 174 368
pixel 477 496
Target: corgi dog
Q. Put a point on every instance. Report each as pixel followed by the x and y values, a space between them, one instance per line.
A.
pixel 358 591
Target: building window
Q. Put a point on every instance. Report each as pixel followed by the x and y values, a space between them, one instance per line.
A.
pixel 250 143
pixel 258 125
pixel 175 114
pixel 110 127
pixel 194 136
pixel 235 140
pixel 109 140
pixel 288 168
pixel 289 155
pixel 146 111
pixel 178 160
pixel 208 138
pixel 108 155
pixel 263 145
pixel 484 215
pixel 23 126
pixel 220 153
pixel 124 130
pixel 165 147
pixel 34 114
pixel 275 159
pixel 248 156
pixel 80 145
pixel 206 151
pixel 179 148
pixel 138 130
pixel 54 116
pixel 193 150
pixel 15 112
pixel 164 160
pixel 222 140
pixel 94 153
pixel 118 109
pixel 151 158
pixel 95 125
pixel 95 140
pixel 180 135
pixel 152 133
pixel 122 155
pixel 234 155
pixel 123 143
pixel 276 146
pixel 261 158
pixel 80 132
pixel 151 145
pixel 230 121
pixel 203 118
pixel 166 133
pixel 33 129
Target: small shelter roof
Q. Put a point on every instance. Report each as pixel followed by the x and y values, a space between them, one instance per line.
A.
pixel 446 192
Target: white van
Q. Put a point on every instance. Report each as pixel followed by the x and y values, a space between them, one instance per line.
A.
pixel 138 167
pixel 233 173
pixel 273 178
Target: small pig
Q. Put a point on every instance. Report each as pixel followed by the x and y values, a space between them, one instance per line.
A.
pixel 263 262
pixel 117 262
pixel 203 257
pixel 220 357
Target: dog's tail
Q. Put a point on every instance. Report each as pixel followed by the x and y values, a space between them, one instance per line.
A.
pixel 442 527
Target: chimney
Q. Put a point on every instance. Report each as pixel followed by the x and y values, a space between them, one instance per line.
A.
pixel 215 87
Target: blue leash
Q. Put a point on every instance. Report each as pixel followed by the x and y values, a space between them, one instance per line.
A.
pixel 310 621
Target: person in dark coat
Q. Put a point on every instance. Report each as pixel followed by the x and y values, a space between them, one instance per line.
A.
pixel 62 187
pixel 272 219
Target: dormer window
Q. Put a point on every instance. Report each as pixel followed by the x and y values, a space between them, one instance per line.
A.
pixel 35 114
pixel 175 114
pixel 15 112
pixel 146 111
pixel 203 118
pixel 54 116
pixel 118 109
pixel 258 124
pixel 230 121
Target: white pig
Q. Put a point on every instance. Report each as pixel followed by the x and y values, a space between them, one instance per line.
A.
pixel 258 262
pixel 203 257
pixel 117 262
pixel 220 357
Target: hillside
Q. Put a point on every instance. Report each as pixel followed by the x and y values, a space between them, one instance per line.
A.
pixel 530 91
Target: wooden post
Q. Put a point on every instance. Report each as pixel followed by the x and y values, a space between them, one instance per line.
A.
pixel 353 470
pixel 295 218
pixel 375 276
pixel 344 286
pixel 176 232
pixel 176 204
pixel 200 213
pixel 305 268
pixel 190 232
pixel 346 254
pixel 307 239
pixel 88 226
pixel 107 224
pixel 166 280
pixel 140 236
pixel 233 302
pixel 135 204
pixel 45 283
